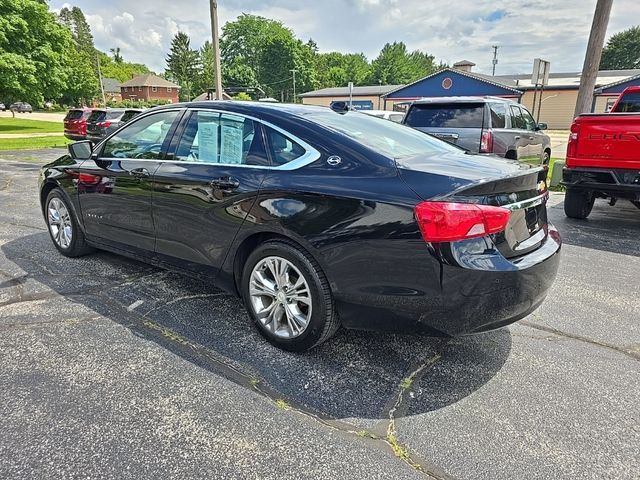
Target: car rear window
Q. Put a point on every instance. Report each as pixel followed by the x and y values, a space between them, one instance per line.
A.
pixel 387 138
pixel 74 115
pixel 629 103
pixel 97 116
pixel 498 115
pixel 458 115
pixel 129 115
pixel 112 115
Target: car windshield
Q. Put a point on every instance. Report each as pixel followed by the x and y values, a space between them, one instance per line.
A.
pixel 388 138
pixel 456 115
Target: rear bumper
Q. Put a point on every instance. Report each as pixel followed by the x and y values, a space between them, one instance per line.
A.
pixel 74 136
pixel 478 290
pixel 618 183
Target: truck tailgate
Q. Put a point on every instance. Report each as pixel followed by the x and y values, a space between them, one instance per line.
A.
pixel 606 141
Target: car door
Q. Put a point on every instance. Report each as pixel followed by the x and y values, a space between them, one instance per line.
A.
pixel 202 196
pixel 536 139
pixel 520 135
pixel 114 186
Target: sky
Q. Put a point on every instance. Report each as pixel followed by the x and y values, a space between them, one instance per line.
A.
pixel 451 30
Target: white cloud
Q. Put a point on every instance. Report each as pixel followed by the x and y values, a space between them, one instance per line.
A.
pixel 556 30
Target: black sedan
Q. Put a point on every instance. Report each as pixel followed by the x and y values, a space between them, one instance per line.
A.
pixel 316 218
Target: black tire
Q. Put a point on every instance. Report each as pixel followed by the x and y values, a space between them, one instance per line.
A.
pixel 578 203
pixel 546 157
pixel 323 322
pixel 78 246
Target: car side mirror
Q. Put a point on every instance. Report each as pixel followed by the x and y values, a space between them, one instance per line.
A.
pixel 81 150
pixel 542 126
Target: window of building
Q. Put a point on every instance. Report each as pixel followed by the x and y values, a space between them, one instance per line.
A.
pixel 168 89
pixel 154 89
pixel 125 89
pixel 139 89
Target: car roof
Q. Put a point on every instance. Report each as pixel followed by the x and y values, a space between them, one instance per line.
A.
pixel 251 107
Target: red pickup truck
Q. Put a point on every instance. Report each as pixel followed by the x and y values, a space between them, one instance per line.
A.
pixel 603 156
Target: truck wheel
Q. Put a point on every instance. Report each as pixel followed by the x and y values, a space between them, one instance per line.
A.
pixel 578 203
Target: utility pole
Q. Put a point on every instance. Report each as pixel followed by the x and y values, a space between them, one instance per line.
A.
pixel 216 47
pixel 293 70
pixel 495 59
pixel 592 57
pixel 104 100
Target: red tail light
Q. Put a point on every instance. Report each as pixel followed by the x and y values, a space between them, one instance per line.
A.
pixel 103 124
pixel 486 142
pixel 572 146
pixel 449 221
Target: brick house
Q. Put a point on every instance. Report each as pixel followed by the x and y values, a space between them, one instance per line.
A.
pixel 149 87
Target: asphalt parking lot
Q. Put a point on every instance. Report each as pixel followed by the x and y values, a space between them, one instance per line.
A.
pixel 110 368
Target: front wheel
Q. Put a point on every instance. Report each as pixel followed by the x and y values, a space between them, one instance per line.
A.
pixel 578 203
pixel 288 297
pixel 63 226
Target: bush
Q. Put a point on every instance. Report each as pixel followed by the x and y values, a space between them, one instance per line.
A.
pixel 136 103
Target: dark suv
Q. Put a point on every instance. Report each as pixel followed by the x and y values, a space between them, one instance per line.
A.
pixel 483 125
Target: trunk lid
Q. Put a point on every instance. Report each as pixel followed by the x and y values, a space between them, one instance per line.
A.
pixel 490 181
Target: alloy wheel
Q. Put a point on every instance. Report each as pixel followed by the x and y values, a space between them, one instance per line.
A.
pixel 280 296
pixel 60 223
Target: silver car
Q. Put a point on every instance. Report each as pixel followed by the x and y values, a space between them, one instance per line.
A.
pixel 483 125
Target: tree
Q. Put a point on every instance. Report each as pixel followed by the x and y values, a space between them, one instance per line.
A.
pixel 122 71
pixel 183 63
pixel 395 66
pixel 279 56
pixel 622 51
pixel 35 52
pixel 243 40
pixel 116 54
pixel 205 78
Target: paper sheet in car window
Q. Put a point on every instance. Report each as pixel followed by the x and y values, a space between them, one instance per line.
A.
pixel 208 141
pixel 231 145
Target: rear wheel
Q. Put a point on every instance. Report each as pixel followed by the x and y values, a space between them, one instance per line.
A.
pixel 288 297
pixel 63 226
pixel 578 203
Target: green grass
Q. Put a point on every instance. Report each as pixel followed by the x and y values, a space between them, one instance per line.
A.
pixel 21 125
pixel 32 143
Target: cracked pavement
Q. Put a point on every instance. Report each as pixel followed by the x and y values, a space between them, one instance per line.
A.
pixel 115 369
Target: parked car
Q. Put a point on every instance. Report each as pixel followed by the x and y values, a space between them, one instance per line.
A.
pixel 315 218
pixel 386 114
pixel 103 122
pixel 3 107
pixel 483 125
pixel 75 123
pixel 21 107
pixel 603 157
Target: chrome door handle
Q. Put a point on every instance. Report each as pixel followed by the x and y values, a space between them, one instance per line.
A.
pixel 517 137
pixel 139 172
pixel 225 183
pixel 531 138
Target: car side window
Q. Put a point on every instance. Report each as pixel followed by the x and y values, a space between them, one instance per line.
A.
pixel 282 149
pixel 141 139
pixel 498 115
pixel 224 138
pixel 529 122
pixel 516 118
